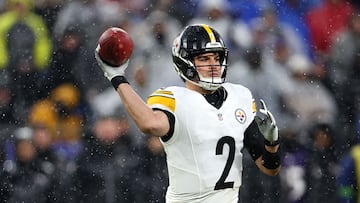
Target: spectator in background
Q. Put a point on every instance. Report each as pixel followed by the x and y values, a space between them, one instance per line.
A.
pixel 324 21
pixel 61 113
pixel 63 67
pixel 292 13
pixel 7 110
pixel 310 101
pixel 51 162
pixel 277 65
pixel 136 8
pixel 25 52
pixel 348 181
pixel 48 9
pixel 293 172
pixel 182 10
pixel 344 70
pixel 93 17
pixel 236 33
pixel 214 13
pixel 248 9
pixel 266 78
pixel 109 166
pixel 151 62
pixel 26 178
pixel 268 31
pixel 23 35
pixel 155 171
pixel 7 118
pixel 322 164
pixel 151 169
pixel 43 141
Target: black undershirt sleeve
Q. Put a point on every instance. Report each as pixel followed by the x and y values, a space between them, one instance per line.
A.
pixel 253 141
pixel 171 119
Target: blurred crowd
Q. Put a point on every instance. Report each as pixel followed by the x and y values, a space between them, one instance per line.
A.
pixel 64 134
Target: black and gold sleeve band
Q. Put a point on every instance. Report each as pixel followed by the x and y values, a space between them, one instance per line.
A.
pixel 271 160
pixel 117 80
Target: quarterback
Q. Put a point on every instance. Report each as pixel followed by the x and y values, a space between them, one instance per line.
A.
pixel 205 125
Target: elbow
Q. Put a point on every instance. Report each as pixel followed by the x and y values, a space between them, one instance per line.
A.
pixel 150 128
pixel 146 128
pixel 155 125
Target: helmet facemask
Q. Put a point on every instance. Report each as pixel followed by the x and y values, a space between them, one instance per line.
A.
pixel 193 41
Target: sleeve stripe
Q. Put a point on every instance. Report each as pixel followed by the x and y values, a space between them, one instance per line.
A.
pixel 165 100
pixel 253 105
pixel 158 106
pixel 161 95
pixel 163 92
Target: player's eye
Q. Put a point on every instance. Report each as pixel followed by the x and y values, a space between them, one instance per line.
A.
pixel 202 58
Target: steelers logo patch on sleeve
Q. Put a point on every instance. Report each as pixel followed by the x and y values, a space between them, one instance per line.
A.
pixel 162 99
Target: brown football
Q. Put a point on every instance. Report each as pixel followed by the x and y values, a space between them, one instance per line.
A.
pixel 116 46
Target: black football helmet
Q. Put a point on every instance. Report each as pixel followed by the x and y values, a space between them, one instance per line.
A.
pixel 195 40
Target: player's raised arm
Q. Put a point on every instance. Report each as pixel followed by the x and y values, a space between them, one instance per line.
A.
pixel 113 55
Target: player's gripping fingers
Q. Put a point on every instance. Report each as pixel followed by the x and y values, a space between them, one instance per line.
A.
pixel 267 124
pixel 110 71
pixel 268 115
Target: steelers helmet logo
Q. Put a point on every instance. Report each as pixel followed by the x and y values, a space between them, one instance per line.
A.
pixel 176 46
pixel 240 116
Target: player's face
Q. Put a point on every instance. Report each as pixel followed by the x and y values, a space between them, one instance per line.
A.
pixel 208 64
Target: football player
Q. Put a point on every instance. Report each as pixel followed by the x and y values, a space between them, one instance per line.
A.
pixel 205 125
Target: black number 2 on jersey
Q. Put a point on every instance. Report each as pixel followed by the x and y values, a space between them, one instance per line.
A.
pixel 221 184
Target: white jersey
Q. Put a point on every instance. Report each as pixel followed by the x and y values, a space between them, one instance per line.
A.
pixel 204 155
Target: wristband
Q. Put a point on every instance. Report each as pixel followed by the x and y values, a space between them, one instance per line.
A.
pixel 271 160
pixel 117 80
